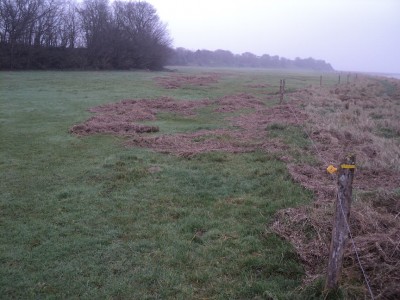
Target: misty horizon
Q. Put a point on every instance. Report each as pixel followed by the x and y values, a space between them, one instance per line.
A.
pixel 358 36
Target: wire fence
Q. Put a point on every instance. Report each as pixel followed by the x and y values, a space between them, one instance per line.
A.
pixel 338 199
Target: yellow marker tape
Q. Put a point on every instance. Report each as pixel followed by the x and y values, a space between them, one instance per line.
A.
pixel 348 166
pixel 331 169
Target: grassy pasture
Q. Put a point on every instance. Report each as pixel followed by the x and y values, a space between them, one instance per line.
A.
pixel 86 217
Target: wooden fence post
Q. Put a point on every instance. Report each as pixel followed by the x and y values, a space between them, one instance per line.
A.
pixel 341 221
pixel 339 79
pixel 281 89
pixel 320 80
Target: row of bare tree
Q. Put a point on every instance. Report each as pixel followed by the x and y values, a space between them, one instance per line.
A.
pixel 41 34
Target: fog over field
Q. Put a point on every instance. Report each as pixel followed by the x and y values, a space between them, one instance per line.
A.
pixel 352 35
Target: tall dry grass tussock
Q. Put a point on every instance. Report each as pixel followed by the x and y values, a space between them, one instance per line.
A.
pixel 361 118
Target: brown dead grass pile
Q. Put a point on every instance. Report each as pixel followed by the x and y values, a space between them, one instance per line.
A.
pixel 249 133
pixel 350 126
pixel 359 118
pixel 257 86
pixel 190 144
pixel 361 123
pixel 121 118
pixel 375 227
pixel 343 120
pixel 178 81
pixel 237 102
pixel 279 114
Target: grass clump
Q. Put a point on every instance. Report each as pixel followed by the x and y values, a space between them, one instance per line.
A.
pixel 291 135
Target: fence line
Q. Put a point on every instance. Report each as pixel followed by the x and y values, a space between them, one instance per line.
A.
pixel 340 203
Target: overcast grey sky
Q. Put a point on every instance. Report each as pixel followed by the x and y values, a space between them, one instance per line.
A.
pixel 352 35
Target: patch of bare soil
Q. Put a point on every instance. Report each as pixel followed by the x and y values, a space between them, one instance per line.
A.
pixel 178 81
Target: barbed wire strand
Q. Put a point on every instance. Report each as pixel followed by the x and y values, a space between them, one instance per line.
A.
pixel 355 249
pixel 341 207
pixel 309 136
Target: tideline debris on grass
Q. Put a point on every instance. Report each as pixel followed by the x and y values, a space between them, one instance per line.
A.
pixel 361 118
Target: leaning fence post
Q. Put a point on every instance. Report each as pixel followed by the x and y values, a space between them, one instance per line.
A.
pixel 281 89
pixel 341 221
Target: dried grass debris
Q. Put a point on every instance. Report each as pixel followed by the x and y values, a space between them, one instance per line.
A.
pixel 346 119
pixel 179 81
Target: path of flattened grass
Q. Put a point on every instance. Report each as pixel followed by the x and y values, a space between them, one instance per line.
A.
pixel 85 217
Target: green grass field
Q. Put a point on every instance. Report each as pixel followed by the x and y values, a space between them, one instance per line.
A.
pixel 86 217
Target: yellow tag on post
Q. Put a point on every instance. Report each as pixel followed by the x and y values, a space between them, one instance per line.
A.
pixel 348 166
pixel 331 169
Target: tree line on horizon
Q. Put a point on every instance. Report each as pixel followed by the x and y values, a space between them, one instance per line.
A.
pixel 225 58
pixel 99 34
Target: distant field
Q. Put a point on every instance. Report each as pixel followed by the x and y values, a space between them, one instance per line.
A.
pixel 98 210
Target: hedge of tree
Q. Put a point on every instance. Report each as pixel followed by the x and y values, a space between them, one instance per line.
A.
pixel 97 34
pixel 224 58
